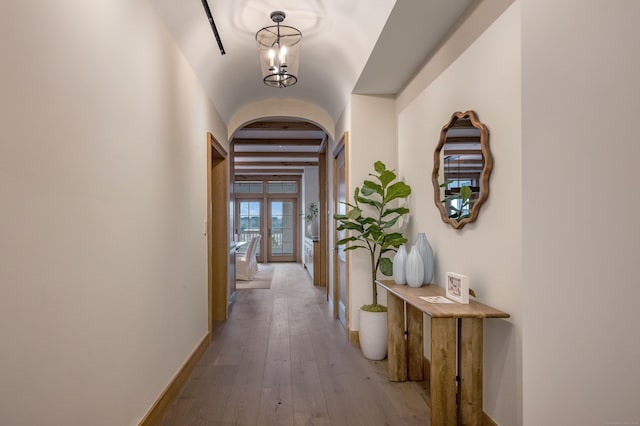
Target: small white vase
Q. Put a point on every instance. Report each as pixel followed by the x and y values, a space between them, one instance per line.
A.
pixel 414 268
pixel 426 252
pixel 399 266
pixel 373 335
pixel 312 228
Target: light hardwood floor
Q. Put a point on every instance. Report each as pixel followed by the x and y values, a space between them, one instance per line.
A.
pixel 281 359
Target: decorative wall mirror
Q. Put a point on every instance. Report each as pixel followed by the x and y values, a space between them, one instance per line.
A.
pixel 462 165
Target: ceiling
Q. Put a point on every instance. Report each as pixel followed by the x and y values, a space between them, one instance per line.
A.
pixel 348 47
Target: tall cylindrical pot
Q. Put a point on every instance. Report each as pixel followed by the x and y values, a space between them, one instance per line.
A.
pixel 373 335
pixel 426 252
pixel 399 266
pixel 414 268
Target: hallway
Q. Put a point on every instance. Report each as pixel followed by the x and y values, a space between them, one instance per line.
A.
pixel 281 359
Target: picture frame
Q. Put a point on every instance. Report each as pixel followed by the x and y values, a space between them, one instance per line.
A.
pixel 457 288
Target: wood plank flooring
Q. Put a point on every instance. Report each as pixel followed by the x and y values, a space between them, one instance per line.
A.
pixel 281 359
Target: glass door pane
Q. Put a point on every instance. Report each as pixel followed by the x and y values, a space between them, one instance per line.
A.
pixel 249 220
pixel 282 230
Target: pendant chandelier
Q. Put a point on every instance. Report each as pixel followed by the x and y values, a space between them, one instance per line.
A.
pixel 279 52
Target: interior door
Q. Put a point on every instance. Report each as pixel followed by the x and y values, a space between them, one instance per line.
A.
pixel 249 222
pixel 282 230
pixel 340 256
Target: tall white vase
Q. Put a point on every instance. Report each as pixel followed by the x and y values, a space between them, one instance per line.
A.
pixel 414 268
pixel 312 228
pixel 426 252
pixel 399 266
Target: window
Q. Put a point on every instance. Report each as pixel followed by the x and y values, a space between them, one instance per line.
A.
pixel 282 187
pixel 249 187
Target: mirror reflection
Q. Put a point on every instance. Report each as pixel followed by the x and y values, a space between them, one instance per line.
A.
pixel 462 164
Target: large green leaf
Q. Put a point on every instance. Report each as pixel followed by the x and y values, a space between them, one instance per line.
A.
pixel 366 191
pixel 374 203
pixel 369 188
pixel 367 220
pixel 346 240
pixel 355 247
pixel 386 266
pixel 394 240
pixel 379 166
pixel 350 225
pixel 386 177
pixel 397 190
pixel 465 192
pixel 390 223
pixel 354 214
pixel 399 210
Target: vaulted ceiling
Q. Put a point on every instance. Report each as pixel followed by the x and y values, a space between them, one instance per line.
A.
pixel 354 46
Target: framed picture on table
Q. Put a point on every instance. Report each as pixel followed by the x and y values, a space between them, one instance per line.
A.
pixel 457 287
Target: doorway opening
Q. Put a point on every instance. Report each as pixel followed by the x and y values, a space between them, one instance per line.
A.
pixel 268 206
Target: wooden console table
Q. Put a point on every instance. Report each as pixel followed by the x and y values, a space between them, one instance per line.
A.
pixel 456 349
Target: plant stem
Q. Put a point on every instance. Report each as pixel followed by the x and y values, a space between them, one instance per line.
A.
pixel 373 278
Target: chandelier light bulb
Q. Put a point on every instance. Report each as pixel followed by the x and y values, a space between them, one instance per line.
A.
pixel 283 56
pixel 272 55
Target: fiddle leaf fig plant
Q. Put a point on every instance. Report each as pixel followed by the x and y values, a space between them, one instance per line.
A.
pixel 370 219
pixel 464 195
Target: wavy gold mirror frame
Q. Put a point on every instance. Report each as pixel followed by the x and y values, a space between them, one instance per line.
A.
pixel 462 164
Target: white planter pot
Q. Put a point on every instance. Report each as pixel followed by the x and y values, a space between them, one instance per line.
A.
pixel 373 335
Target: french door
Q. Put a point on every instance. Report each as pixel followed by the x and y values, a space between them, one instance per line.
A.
pixel 282 226
pixel 249 220
pixel 269 207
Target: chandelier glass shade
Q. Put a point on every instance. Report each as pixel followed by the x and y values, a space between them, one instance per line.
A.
pixel 279 52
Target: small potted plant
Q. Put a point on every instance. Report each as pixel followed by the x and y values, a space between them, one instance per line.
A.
pixel 311 217
pixel 370 221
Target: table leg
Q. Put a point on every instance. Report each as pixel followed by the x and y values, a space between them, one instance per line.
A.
pixel 471 371
pixel 415 343
pixel 396 343
pixel 443 371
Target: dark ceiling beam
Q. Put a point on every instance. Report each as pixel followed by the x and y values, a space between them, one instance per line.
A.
pixel 452 163
pixel 462 152
pixel 276 163
pixel 254 171
pixel 282 125
pixel 462 139
pixel 283 142
pixel 278 154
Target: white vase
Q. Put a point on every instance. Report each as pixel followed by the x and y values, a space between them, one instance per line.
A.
pixel 312 228
pixel 414 268
pixel 373 335
pixel 426 252
pixel 399 266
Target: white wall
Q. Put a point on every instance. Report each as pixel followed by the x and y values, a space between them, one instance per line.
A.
pixel 484 78
pixel 103 188
pixel 581 343
pixel 372 137
pixel 311 191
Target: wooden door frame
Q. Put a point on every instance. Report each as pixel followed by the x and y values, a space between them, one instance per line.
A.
pixel 342 145
pixel 323 243
pixel 218 248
